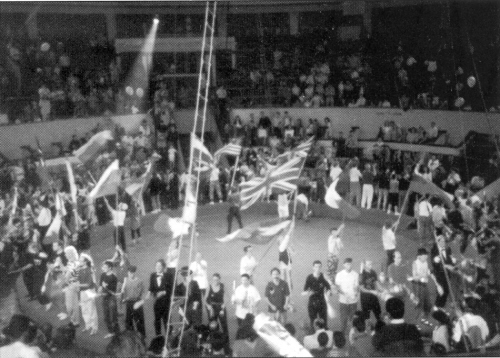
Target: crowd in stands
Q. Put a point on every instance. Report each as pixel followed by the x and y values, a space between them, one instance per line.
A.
pixel 314 70
pixel 43 79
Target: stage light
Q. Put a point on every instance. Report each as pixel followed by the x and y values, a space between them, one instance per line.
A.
pixel 156 20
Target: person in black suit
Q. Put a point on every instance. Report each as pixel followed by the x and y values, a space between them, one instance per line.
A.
pixel 442 260
pixel 194 308
pixel 160 287
pixel 397 338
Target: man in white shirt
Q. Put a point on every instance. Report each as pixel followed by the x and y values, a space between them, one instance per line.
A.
pixel 425 228
pixel 354 186
pixel 246 298
pixel 389 241
pixel 215 184
pixel 311 341
pixel 347 283
pixel 199 269
pixel 118 218
pixel 248 262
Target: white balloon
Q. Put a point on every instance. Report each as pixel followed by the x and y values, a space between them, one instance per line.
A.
pixel 471 81
pixel 45 47
pixel 459 102
pixel 139 92
pixel 129 90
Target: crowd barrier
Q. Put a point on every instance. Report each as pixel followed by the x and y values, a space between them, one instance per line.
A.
pixel 369 120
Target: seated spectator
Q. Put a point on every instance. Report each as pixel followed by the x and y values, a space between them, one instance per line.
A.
pixel 433 132
pixel 249 344
pixel 464 326
pixel 360 339
pixel 322 350
pixel 338 350
pixel 398 338
pixel 311 341
pixel 442 332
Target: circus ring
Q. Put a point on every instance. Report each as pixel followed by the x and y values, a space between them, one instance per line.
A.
pixel 361 238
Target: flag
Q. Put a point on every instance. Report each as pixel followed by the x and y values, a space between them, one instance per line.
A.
pixel 72 184
pixel 202 159
pixel 52 234
pixel 422 186
pixel 278 338
pixel 229 149
pixel 108 182
pixel 260 233
pixel 334 200
pixel 135 187
pixel 280 179
pixel 302 150
pixel 489 192
pixel 165 225
pixel 191 204
pixel 93 147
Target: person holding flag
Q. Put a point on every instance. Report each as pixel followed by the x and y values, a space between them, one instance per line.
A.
pixel 234 209
pixel 118 218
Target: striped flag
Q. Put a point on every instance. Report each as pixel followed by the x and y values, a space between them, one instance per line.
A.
pixel 108 182
pixel 93 147
pixel 260 233
pixel 302 150
pixel 280 179
pixel 229 149
pixel 489 192
pixel 334 200
pixel 202 159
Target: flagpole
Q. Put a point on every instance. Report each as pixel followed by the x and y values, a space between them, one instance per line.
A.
pixel 234 171
pixel 401 211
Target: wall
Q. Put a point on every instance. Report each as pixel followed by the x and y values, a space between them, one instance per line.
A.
pixel 12 137
pixel 458 124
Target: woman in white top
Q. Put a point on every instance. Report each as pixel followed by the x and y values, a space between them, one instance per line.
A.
pixel 199 269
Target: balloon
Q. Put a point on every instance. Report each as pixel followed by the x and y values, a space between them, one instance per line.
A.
pixel 477 183
pixel 459 102
pixel 45 47
pixel 139 92
pixel 471 81
pixel 354 75
pixel 129 90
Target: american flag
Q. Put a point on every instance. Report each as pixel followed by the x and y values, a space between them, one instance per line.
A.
pixel 229 149
pixel 281 178
pixel 302 150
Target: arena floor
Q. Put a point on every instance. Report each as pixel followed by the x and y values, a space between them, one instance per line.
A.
pixel 362 239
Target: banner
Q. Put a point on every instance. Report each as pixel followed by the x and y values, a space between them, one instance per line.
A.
pixel 278 338
pixel 108 182
pixel 91 150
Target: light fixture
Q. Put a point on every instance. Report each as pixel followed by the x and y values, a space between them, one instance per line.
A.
pixel 156 20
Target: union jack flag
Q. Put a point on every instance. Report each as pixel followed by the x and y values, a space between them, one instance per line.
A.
pixel 229 149
pixel 302 150
pixel 283 178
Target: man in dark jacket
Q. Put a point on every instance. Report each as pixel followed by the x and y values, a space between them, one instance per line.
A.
pixel 397 338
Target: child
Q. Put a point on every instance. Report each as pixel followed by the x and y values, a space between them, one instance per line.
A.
pixel 334 246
